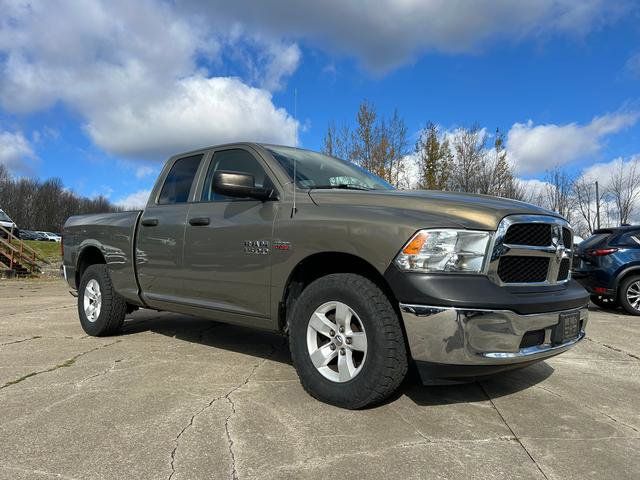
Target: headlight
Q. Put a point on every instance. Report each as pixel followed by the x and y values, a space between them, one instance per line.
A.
pixel 444 251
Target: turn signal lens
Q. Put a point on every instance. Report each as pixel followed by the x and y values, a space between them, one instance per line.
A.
pixel 415 244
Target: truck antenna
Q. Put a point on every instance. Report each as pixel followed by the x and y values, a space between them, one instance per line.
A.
pixel 295 161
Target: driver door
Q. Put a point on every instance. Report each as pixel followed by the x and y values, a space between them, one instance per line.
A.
pixel 222 271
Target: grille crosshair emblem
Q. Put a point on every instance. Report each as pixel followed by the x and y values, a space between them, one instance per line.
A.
pixel 557 241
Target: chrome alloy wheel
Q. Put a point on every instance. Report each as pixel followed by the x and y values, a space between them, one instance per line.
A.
pixel 633 295
pixel 336 341
pixel 92 301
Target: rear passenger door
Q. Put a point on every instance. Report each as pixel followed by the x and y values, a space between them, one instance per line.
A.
pixel 228 241
pixel 160 239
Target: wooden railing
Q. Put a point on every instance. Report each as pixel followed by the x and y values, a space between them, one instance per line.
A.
pixel 18 254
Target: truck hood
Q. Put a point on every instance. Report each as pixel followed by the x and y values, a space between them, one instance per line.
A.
pixel 467 210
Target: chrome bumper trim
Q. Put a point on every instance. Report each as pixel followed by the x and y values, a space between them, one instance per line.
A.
pixel 466 336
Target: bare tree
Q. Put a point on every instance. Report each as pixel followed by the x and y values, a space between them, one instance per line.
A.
pixel 364 136
pixel 397 137
pixel 45 205
pixel 337 142
pixel 469 174
pixel 624 188
pixel 558 193
pixel 584 192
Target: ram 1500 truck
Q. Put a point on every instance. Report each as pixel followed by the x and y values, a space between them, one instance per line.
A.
pixel 361 277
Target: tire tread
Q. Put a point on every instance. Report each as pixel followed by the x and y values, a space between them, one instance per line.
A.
pixel 395 362
pixel 114 307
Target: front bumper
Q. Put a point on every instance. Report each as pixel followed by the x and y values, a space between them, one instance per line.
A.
pixel 486 340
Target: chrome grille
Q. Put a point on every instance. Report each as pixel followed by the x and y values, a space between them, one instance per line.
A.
pixel 531 249
pixel 523 269
pixel 537 234
pixel 565 267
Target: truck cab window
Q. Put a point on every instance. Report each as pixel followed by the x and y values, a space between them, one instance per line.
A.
pixel 178 183
pixel 235 160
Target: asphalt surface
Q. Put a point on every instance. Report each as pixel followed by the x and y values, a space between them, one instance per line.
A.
pixel 182 398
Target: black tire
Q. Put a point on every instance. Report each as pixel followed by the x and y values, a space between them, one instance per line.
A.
pixel 385 365
pixel 605 302
pixel 113 307
pixel 631 283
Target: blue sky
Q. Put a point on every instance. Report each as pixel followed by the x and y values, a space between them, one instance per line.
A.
pixel 100 94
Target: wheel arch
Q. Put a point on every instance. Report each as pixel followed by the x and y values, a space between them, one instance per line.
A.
pixel 89 255
pixel 320 264
pixel 626 272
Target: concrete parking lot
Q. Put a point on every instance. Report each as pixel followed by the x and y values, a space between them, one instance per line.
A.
pixel 182 398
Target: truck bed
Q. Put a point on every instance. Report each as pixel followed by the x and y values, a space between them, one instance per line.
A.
pixel 113 235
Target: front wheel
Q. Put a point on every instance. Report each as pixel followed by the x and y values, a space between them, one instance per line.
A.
pixel 604 302
pixel 100 308
pixel 629 292
pixel 346 342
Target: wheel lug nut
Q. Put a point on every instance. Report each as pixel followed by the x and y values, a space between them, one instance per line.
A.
pixel 342 351
pixel 348 341
pixel 341 329
pixel 332 333
pixel 332 347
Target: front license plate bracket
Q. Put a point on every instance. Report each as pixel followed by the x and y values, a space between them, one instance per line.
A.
pixel 568 327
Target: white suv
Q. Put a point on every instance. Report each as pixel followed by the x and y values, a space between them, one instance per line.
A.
pixel 8 224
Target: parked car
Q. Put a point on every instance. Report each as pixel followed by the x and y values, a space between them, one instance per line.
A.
pixel 8 224
pixel 49 237
pixel 29 235
pixel 607 264
pixel 352 270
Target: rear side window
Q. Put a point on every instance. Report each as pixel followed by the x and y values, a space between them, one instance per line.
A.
pixel 595 240
pixel 178 183
pixel 629 239
pixel 235 160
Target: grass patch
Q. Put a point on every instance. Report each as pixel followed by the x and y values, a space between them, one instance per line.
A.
pixel 48 250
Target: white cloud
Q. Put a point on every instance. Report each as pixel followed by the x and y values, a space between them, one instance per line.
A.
pixel 144 171
pixel 534 188
pixel 198 112
pixel 602 171
pixel 132 75
pixel 394 31
pixel 534 148
pixel 134 201
pixel 16 152
pixel 633 65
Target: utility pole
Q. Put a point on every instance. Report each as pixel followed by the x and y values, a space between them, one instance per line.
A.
pixel 597 206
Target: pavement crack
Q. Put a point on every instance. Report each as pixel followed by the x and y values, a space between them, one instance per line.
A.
pixel 589 408
pixel 415 429
pixel 515 436
pixel 226 396
pixel 67 363
pixel 49 309
pixel 20 341
pixel 100 374
pixel 615 349
pixel 40 473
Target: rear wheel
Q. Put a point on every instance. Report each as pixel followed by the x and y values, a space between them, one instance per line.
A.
pixel 629 294
pixel 100 308
pixel 604 302
pixel 346 342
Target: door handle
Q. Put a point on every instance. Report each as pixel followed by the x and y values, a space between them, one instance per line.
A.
pixel 149 222
pixel 199 221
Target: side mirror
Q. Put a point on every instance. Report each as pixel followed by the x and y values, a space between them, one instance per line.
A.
pixel 238 184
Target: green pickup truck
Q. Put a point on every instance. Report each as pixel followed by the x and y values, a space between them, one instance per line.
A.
pixel 364 279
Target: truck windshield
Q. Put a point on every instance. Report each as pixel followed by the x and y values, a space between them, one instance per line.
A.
pixel 315 170
pixel 4 217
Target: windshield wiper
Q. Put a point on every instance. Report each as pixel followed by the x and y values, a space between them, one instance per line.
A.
pixel 345 186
